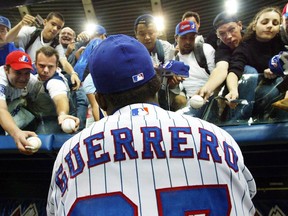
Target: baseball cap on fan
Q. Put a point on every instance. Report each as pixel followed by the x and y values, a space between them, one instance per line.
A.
pixel 278 64
pixel 120 63
pixel 5 22
pixel 285 11
pixel 185 27
pixel 100 30
pixel 176 67
pixel 144 19
pixel 19 60
pixel 223 18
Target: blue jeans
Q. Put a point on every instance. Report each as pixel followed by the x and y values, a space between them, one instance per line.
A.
pixel 81 103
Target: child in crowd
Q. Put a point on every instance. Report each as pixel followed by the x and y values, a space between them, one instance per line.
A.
pixel 261 41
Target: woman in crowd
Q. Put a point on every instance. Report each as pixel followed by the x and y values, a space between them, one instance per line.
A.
pixel 260 42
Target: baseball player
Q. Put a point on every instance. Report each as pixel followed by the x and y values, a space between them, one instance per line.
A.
pixel 142 159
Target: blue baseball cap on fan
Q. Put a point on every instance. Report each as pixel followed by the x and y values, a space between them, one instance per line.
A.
pixel 120 63
pixel 185 27
pixel 278 64
pixel 178 68
pixel 5 22
pixel 100 30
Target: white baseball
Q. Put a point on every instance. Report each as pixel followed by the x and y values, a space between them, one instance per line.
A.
pixel 34 144
pixel 196 101
pixel 68 125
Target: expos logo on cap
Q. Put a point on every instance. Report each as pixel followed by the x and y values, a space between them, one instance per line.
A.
pixel 278 64
pixel 24 58
pixel 19 60
pixel 185 27
pixel 174 67
pixel 168 65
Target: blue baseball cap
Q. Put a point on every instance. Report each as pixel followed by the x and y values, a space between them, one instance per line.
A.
pixel 120 63
pixel 100 30
pixel 5 22
pixel 174 67
pixel 277 64
pixel 185 27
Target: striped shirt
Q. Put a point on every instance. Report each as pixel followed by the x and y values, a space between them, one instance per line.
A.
pixel 146 161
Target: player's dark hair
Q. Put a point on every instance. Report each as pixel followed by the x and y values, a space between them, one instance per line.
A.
pixel 49 52
pixel 55 14
pixel 139 94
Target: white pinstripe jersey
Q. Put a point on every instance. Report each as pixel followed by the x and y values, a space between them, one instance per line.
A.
pixel 146 161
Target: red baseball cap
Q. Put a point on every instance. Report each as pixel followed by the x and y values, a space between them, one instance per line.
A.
pixel 19 60
pixel 285 10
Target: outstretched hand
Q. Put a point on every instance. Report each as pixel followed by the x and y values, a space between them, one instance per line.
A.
pixel 62 117
pixel 76 82
pixel 204 92
pixel 20 138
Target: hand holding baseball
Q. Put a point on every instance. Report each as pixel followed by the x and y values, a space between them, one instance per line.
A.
pixel 196 101
pixel 68 125
pixel 34 144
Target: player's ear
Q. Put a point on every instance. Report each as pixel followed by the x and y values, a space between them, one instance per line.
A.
pixel 101 101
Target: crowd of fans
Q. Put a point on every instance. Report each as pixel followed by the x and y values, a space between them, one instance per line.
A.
pixel 44 77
